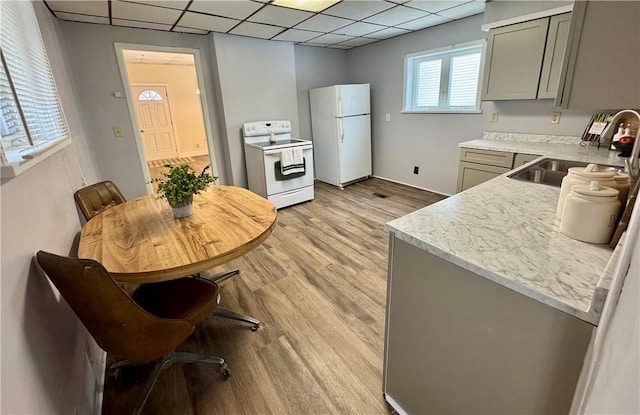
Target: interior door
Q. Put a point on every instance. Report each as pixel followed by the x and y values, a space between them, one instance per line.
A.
pixel 355 147
pixel 154 120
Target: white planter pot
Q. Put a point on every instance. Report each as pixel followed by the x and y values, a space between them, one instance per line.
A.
pixel 183 210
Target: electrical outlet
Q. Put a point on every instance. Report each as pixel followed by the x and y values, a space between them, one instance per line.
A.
pixel 416 169
pixel 387 117
pixel 555 118
pixel 117 132
pixel 494 117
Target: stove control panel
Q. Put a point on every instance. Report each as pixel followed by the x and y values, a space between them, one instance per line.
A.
pixel 264 128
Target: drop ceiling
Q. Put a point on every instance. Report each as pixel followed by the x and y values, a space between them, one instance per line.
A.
pixel 343 25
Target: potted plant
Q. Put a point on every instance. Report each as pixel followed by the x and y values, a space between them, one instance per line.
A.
pixel 180 184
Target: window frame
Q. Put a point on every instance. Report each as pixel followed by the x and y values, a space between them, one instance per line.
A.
pixel 38 151
pixel 445 76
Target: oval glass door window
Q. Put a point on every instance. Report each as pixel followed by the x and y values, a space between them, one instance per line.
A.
pixel 149 95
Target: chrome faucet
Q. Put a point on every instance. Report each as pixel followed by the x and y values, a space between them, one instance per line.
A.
pixel 631 164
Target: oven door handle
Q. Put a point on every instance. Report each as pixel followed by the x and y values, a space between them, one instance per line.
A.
pixel 279 150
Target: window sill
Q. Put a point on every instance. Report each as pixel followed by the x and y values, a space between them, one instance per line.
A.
pixel 441 112
pixel 14 169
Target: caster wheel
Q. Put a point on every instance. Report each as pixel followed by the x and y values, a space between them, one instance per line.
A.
pixel 255 328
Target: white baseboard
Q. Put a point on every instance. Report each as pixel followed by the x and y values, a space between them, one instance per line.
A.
pixel 193 153
pixel 411 185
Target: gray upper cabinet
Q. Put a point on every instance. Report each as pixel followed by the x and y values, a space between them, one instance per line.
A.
pixel 524 60
pixel 601 69
pixel 514 60
pixel 553 55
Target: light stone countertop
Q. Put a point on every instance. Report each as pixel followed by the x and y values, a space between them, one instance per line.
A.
pixel 506 230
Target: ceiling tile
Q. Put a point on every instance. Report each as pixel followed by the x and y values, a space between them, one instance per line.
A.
pixel 396 15
pixel 140 25
pixel 435 6
pixel 295 35
pixel 322 23
pixel 94 8
pixel 359 29
pixel 190 30
pixel 206 22
pixel 340 46
pixel 464 10
pixel 359 41
pixel 386 33
pixel 234 9
pixel 281 16
pixel 423 22
pixel 357 10
pixel 171 4
pixel 399 1
pixel 82 18
pixel 262 31
pixel 330 39
pixel 141 12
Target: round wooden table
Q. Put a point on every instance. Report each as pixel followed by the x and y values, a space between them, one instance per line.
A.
pixel 139 241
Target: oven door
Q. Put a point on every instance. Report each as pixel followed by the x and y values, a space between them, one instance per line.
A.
pixel 277 183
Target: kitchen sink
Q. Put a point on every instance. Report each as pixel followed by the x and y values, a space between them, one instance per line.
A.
pixel 551 171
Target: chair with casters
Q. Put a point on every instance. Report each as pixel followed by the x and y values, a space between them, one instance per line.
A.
pixel 98 197
pixel 144 327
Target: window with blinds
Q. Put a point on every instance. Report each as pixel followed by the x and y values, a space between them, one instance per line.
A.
pixel 31 117
pixel 444 79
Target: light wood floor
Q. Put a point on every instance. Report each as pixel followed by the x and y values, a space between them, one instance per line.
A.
pixel 156 168
pixel 318 285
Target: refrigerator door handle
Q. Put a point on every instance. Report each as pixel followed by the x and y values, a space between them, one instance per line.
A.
pixel 341 128
pixel 339 103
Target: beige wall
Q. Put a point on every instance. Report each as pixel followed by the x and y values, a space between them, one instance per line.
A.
pixel 186 109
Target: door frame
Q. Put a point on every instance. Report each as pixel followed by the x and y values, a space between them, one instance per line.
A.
pixel 165 85
pixel 119 48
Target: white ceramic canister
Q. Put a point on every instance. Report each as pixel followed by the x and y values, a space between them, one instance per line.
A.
pixel 590 213
pixel 584 175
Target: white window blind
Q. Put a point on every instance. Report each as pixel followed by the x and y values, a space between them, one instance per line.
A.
pixel 444 80
pixel 463 84
pixel 32 115
pixel 429 83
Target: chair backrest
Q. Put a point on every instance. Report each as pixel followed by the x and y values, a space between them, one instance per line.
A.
pixel 97 197
pixel 117 323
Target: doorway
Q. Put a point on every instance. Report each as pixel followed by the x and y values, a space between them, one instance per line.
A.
pixel 168 108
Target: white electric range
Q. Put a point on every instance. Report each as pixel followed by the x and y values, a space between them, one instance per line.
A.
pixel 263 163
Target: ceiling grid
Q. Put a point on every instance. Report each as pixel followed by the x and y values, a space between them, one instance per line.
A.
pixel 343 25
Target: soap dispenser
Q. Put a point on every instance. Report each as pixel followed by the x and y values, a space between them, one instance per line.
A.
pixel 617 136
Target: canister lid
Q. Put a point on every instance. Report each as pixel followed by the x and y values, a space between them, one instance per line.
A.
pixel 592 171
pixel 594 189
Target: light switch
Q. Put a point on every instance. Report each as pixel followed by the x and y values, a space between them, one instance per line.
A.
pixel 118 94
pixel 117 132
pixel 555 118
pixel 387 117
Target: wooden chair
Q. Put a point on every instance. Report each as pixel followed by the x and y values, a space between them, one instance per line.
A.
pixel 97 197
pixel 143 327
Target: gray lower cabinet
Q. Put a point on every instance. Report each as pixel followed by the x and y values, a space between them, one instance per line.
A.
pixel 522 158
pixel 458 343
pixel 477 166
pixel 472 174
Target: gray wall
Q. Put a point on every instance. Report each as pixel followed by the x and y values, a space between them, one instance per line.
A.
pixel 44 369
pixel 430 141
pixel 315 68
pixel 96 75
pixel 257 83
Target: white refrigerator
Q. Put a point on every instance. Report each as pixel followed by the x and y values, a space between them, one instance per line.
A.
pixel 341 125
